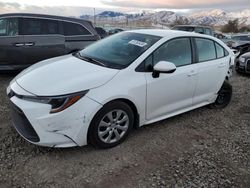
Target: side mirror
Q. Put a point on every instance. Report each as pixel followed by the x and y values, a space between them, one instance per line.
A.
pixel 163 67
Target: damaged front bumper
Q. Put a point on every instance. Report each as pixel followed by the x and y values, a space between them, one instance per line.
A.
pixel 68 128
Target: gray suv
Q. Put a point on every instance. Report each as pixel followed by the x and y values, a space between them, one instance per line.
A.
pixel 28 38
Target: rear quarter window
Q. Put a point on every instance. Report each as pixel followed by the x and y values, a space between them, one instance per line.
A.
pixel 219 50
pixel 72 29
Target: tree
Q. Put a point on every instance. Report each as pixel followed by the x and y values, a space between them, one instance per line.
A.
pixel 231 27
pixel 244 29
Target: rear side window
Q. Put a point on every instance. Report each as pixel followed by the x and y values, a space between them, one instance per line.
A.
pixel 51 27
pixel 206 49
pixel 71 29
pixel 8 26
pixel 34 26
pixel 177 51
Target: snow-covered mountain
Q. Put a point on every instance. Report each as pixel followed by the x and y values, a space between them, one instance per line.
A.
pixel 215 17
pixel 219 17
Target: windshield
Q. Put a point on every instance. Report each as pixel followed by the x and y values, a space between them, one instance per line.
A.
pixel 118 51
pixel 242 38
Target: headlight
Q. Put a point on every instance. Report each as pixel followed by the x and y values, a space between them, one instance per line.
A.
pixel 242 59
pixel 58 103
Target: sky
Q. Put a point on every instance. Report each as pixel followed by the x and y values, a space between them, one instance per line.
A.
pixel 79 7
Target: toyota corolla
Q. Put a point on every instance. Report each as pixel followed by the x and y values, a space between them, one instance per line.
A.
pixel 98 95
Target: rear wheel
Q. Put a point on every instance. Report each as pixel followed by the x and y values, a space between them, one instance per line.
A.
pixel 111 125
pixel 224 96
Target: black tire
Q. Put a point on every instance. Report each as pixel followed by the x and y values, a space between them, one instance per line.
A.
pixel 224 96
pixel 237 68
pixel 94 130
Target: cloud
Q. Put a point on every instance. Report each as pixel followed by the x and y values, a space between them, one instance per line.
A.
pixel 55 10
pixel 178 4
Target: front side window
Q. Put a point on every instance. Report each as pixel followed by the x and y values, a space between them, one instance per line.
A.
pixel 120 50
pixel 3 27
pixel 205 49
pixel 177 51
pixel 71 29
pixel 8 26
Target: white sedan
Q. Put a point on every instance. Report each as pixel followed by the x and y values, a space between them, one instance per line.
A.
pixel 124 81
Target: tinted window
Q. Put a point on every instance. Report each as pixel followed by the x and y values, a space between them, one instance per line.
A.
pixel 74 29
pixel 100 30
pixel 3 27
pixel 51 27
pixel 206 49
pixel 208 31
pixel 199 30
pixel 8 26
pixel 33 26
pixel 184 28
pixel 219 50
pixel 177 51
pixel 119 51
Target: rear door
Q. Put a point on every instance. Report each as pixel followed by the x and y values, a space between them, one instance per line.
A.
pixel 42 39
pixel 11 44
pixel 213 64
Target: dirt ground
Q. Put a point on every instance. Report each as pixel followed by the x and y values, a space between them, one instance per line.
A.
pixel 201 148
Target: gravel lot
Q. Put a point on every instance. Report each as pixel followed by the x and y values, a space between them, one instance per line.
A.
pixel 201 148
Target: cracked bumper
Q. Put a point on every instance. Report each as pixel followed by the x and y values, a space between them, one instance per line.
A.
pixel 64 129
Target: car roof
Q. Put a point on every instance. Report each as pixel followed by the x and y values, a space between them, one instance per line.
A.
pixel 44 16
pixel 169 33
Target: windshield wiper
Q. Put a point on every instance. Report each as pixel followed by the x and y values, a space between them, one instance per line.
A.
pixel 92 60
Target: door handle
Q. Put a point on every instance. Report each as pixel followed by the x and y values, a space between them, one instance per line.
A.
pixel 221 65
pixel 29 44
pixel 18 44
pixel 192 73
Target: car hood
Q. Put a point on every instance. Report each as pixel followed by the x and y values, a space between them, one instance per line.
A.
pixel 63 75
pixel 246 55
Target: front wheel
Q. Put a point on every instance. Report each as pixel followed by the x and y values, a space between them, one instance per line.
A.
pixel 111 125
pixel 224 96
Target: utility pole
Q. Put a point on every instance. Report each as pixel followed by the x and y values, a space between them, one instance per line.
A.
pixel 94 18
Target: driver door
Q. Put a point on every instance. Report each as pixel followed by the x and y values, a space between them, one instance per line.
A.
pixel 171 92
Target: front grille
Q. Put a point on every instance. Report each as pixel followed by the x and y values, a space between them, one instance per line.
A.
pixel 22 124
pixel 248 66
